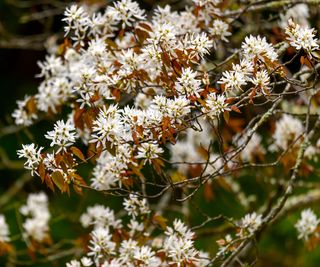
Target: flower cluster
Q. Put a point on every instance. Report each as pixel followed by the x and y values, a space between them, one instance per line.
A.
pixel 301 37
pixel 288 131
pixel 4 230
pixel 24 114
pixel 176 242
pixel 179 244
pixel 255 52
pixel 307 224
pixel 250 223
pixel 33 156
pixel 36 225
pixel 134 206
pixel 99 216
pixel 215 105
pixel 63 135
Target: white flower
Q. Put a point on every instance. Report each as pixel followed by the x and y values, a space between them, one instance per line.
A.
pixel 113 263
pixel 215 105
pixel 22 115
pixel 127 249
pixel 127 12
pixel 107 126
pixel 37 225
pixel 250 223
pixel 49 96
pixel 301 37
pixel 4 230
pixel 199 43
pixel 262 81
pixel 100 217
pixel 206 2
pixel 73 263
pixel 220 29
pixel 135 227
pixel 288 129
pixel 101 243
pixel 130 61
pixel 50 67
pixel 164 14
pixel 86 262
pixel 134 206
pixel 163 34
pixel 179 245
pixel 33 156
pixel 179 250
pixel 253 47
pixel 245 66
pixel 177 108
pixel 149 151
pixel 146 257
pixel 179 229
pixel 307 224
pixel 233 80
pixel 63 135
pixel 102 24
pixel 76 18
pixel 188 84
pixel 108 170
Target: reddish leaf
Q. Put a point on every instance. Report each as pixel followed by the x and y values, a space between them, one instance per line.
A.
pixel 77 118
pixel 234 108
pixel 77 152
pixel 226 116
pixel 78 179
pixel 135 137
pixel 111 149
pixel 68 159
pixel 58 180
pixel 145 26
pixel 165 123
pixel 78 189
pixel 208 193
pixel 157 164
pixel 160 220
pixel 31 105
pixel 58 159
pixel 42 171
pixel 166 59
pixel 48 182
pixel 127 182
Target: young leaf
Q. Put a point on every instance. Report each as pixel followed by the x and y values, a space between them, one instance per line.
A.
pixel 161 221
pixel 77 152
pixel 58 180
pixel 42 171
